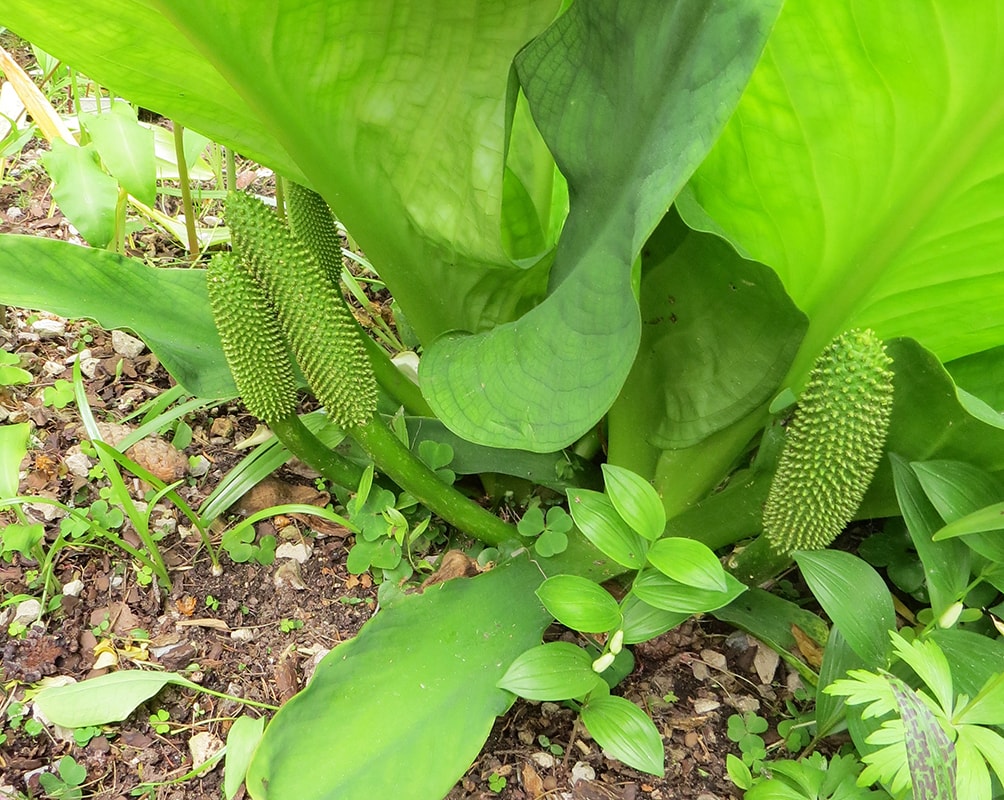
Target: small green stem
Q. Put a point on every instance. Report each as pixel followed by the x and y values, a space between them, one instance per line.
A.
pixel 758 562
pixel 231 177
pixel 186 189
pixel 312 451
pixel 403 467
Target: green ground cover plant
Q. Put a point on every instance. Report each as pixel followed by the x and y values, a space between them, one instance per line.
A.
pixel 628 235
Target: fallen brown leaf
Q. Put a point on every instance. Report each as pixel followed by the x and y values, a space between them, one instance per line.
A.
pixel 807 646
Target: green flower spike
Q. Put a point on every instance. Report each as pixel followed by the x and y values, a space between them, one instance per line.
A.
pixel 834 444
pixel 323 335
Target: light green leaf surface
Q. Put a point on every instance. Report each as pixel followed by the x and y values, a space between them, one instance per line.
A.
pixel 544 380
pixel 838 659
pixel 946 564
pixel 126 148
pixel 85 193
pixel 855 597
pixel 956 488
pixel 658 591
pixel 414 694
pixel 986 519
pixel 865 164
pixel 642 622
pixel 169 308
pixel 580 604
pixel 689 562
pixel 552 671
pixel 242 740
pixel 403 133
pixel 635 500
pixel 625 732
pixel 598 520
pixel 108 698
pixel 13 447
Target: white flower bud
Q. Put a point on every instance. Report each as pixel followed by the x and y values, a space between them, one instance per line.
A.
pixel 604 661
pixel 950 615
pixel 617 641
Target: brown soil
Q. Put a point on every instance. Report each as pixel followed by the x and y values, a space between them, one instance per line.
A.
pixel 251 633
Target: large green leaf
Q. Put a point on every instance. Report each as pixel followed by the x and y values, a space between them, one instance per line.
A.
pixel 395 111
pixel 718 335
pixel 630 97
pixel 169 308
pixel 865 164
pixel 411 698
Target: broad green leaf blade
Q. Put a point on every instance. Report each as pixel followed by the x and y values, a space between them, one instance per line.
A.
pixel 718 335
pixel 13 448
pixel 658 591
pixel 956 488
pixel 415 689
pixel 929 751
pixel 859 164
pixel 635 500
pixel 598 520
pixel 552 671
pixel 855 597
pixel 663 100
pixel 625 732
pixel 987 708
pixel 108 698
pixel 928 660
pixel 86 194
pixel 580 604
pixel 946 564
pixel 126 148
pixel 689 562
pixel 169 308
pixel 242 740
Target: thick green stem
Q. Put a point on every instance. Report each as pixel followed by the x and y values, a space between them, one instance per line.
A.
pixel 394 382
pixel 727 516
pixel 309 449
pixel 403 467
pixel 683 477
pixel 758 562
pixel 186 189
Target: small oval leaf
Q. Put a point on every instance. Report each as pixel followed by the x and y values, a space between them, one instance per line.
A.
pixel 635 500
pixel 600 523
pixel 688 561
pixel 625 732
pixel 579 604
pixel 552 671
pixel 663 592
pixel 643 622
pixel 242 740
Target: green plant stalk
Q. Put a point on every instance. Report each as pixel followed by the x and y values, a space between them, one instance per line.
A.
pixel 685 476
pixel 295 437
pixel 186 189
pixel 396 383
pixel 231 176
pixel 403 467
pixel 117 244
pixel 758 562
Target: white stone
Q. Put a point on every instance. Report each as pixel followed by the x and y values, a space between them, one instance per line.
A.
pixel 49 328
pixel 77 463
pixel 199 466
pixel 126 345
pixel 73 588
pixel 543 760
pixel 89 366
pixel 704 705
pixel 203 746
pixel 53 368
pixel 582 772
pixel 27 611
pixel 297 551
pixel 242 634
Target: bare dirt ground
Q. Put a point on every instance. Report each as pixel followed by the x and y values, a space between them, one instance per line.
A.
pixel 257 631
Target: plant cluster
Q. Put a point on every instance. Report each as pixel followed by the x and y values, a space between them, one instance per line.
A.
pixel 626 240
